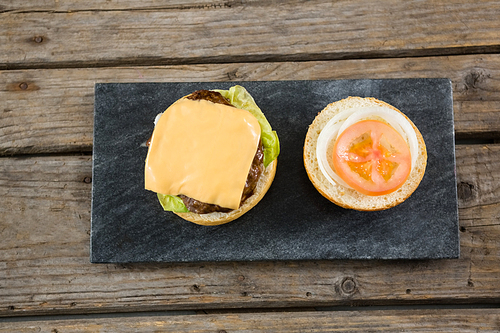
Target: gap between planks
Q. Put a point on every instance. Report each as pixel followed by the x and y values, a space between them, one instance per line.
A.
pixel 422 320
pixel 261 58
pixel 252 310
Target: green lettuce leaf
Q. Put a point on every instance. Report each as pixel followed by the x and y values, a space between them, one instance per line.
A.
pixel 172 203
pixel 240 98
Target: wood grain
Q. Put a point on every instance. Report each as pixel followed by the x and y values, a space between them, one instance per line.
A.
pixel 45 269
pixel 236 31
pixel 445 320
pixel 20 6
pixel 51 110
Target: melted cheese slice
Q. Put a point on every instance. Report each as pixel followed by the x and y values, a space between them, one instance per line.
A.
pixel 203 150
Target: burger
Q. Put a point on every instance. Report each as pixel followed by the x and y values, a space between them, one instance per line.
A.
pixel 364 154
pixel 212 156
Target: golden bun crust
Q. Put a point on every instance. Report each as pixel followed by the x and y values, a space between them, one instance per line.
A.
pixel 347 197
pixel 218 218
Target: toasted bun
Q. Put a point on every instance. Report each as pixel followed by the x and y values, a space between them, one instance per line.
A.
pixel 217 218
pixel 347 197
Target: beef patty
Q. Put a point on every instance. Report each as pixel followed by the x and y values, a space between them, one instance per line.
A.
pixel 256 169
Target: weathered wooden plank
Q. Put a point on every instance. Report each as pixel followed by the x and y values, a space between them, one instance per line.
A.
pixel 245 31
pixel 51 110
pixel 45 269
pixel 20 6
pixel 446 320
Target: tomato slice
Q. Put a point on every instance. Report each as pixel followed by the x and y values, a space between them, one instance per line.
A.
pixel 372 157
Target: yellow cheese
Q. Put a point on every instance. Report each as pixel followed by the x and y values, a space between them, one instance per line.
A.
pixel 203 150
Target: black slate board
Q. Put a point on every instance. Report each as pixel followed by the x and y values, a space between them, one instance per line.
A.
pixel 293 221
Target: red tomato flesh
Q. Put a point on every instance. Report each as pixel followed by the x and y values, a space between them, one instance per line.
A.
pixel 372 157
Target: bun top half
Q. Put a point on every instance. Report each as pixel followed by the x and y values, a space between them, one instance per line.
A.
pixel 347 197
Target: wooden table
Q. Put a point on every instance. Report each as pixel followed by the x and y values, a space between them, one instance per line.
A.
pixel 52 53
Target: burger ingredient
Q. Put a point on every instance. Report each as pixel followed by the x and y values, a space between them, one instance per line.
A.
pixel 344 119
pixel 241 98
pixel 190 143
pixel 172 203
pixel 372 157
pixel 198 207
